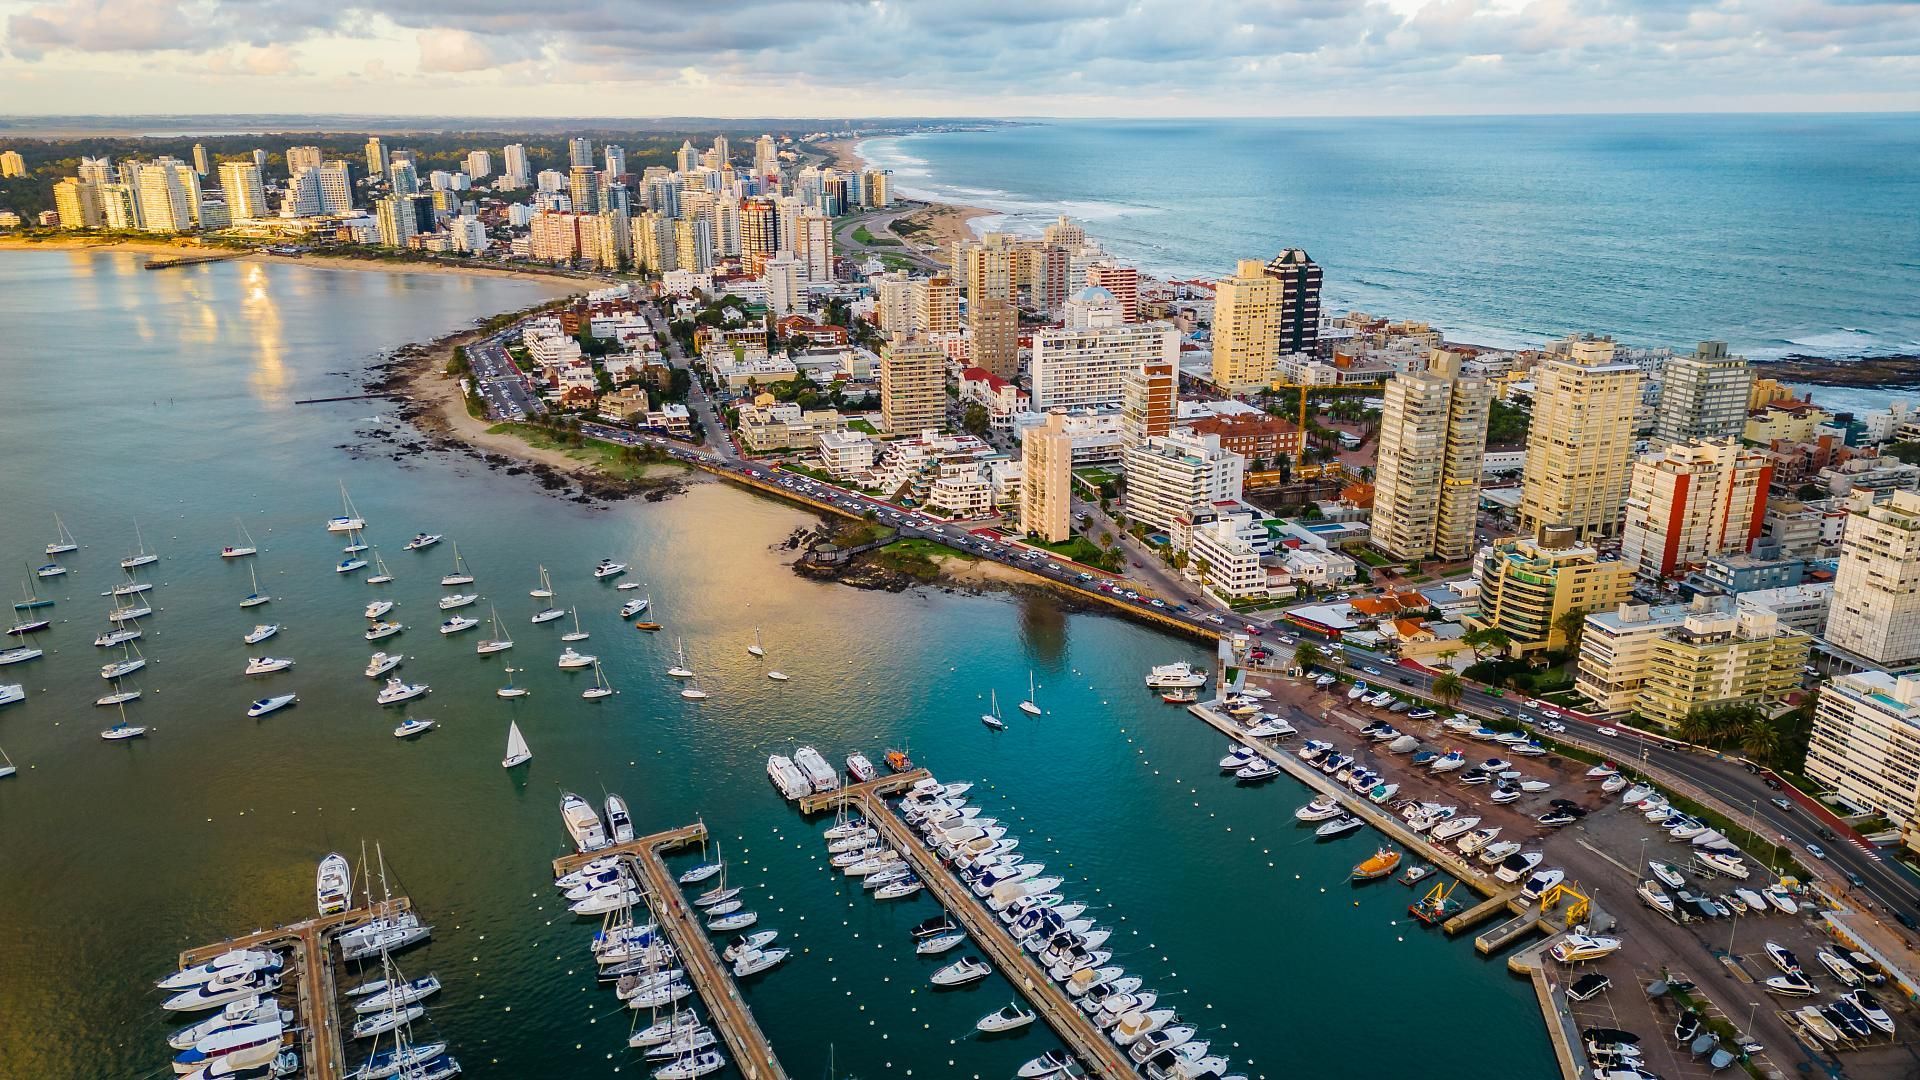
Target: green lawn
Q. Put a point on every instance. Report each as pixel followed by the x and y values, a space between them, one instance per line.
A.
pixel 1369 556
pixel 862 425
pixel 620 462
pixel 1077 547
pixel 862 236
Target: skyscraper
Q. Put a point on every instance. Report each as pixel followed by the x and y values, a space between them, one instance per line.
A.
pixel 1581 440
pixel 580 153
pixel 1299 278
pixel 169 193
pixel 993 323
pixel 376 157
pixel 1689 501
pixel 686 159
pixel 97 170
pixel 516 171
pixel 1084 364
pixel 200 159
pixel 303 157
pixel 12 164
pixel 1246 328
pixel 259 160
pixel 479 164
pixel 404 179
pixel 396 220
pixel 336 187
pixel 936 305
pixel 786 288
pixel 1046 479
pixel 246 194
pixel 583 187
pixel 759 233
pixel 722 152
pixel 1876 588
pixel 1703 396
pixel 1433 434
pixel 814 245
pixel 766 159
pixel 1122 281
pixel 1064 231
pixel 913 386
pixel 616 159
pixel 78 204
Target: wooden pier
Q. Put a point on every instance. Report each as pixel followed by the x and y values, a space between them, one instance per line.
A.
pixel 1049 1000
pixel 692 949
pixel 1481 912
pixel 322 1053
pixel 168 262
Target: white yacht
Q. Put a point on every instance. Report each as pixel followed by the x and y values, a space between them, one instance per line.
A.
pixel 271 704
pixel 1176 676
pixel 582 823
pixel 619 822
pixel 961 972
pixel 571 658
pixel 333 884
pixel 412 726
pixel 422 541
pixel 608 568
pixel 635 606
pixel 266 665
pixel 349 519
pixel 397 691
pixel 380 663
pixel 820 776
pixel 458 623
pixel 1578 948
pixel 377 608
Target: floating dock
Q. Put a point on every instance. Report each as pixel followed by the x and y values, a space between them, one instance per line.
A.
pixel 322 1055
pixel 1083 1038
pixel 752 1054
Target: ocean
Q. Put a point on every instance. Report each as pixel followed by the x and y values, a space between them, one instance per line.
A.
pixel 1777 234
pixel 168 399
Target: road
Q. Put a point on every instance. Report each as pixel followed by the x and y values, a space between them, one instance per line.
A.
pixel 880 222
pixel 1887 885
pixel 502 386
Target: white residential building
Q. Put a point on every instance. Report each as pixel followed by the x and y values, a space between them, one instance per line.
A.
pixel 1866 746
pixel 1171 476
pixel 1084 364
pixel 1876 597
pixel 1224 562
pixel 846 454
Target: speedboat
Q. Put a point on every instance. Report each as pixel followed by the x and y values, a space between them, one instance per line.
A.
pixel 754 961
pixel 1838 965
pixel 1453 827
pixel 608 568
pixel 1636 794
pixel 1454 759
pixel 227 963
pixel 1496 853
pixel 266 665
pixel 1237 757
pixel 1668 874
pixel 1783 958
pixel 1730 865
pixel 271 704
pixel 1538 884
pixel 397 691
pixel 1789 986
pixel 570 658
pixel 959 973
pixel 1578 948
pixel 378 608
pixel 1870 1007
pixel 1602 771
pixel 381 630
pixel 619 822
pixel 1006 1018
pixel 1781 900
pixel 1477 839
pixel 634 607
pixel 260 633
pixel 380 663
pixel 1816 1022
pixel 1651 893
pixel 1518 865
pixel 1338 827
pixel 1320 809
pixel 582 823
pixel 423 540
pixel 1258 769
pixel 1054 1063
pixel 457 624
pixel 412 726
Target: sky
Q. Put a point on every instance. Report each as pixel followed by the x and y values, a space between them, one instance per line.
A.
pixel 872 58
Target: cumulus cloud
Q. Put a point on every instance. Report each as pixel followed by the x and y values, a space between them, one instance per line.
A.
pixel 1026 56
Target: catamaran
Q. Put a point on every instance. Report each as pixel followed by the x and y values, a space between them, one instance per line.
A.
pixel 600 688
pixel 460 575
pixel 499 642
pixel 256 597
pixel 518 753
pixel 991 718
pixel 576 634
pixel 349 519
pixel 141 556
pixel 381 575
pixel 242 549
pixel 1033 694
pixel 64 541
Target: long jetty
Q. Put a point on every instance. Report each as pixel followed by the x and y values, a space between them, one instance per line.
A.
pixel 752 1053
pixel 322 1052
pixel 1051 1002
pixel 168 262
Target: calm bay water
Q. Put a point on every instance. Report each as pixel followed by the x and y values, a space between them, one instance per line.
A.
pixel 167 397
pixel 1776 233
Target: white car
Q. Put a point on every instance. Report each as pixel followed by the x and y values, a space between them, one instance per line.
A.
pixel 1609 732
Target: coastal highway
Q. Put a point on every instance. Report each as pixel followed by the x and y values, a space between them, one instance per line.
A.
pixel 1888 886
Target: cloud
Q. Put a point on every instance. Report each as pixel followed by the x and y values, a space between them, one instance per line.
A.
pixel 454 50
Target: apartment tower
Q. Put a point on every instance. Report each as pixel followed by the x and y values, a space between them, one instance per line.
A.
pixel 1703 396
pixel 1433 434
pixel 1246 328
pixel 1581 442
pixel 1693 500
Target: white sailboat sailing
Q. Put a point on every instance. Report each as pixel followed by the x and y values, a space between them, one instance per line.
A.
pixel 518 753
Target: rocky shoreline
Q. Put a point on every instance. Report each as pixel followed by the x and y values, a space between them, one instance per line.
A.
pixel 1899 372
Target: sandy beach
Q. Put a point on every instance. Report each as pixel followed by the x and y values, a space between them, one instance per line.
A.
pixel 934 224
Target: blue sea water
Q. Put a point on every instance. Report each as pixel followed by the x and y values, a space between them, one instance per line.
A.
pixel 1778 234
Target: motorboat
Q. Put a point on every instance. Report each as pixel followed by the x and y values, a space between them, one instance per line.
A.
pixel 1784 959
pixel 608 568
pixel 260 633
pixel 380 663
pixel 1533 786
pixel 457 600
pixel 755 961
pixel 1453 827
pixel 1579 948
pixel 1755 902
pixel 635 606
pixel 397 691
pixel 860 768
pixel 1453 759
pixel 1668 874
pixel 1516 866
pixel 1730 865
pixel 1842 1013
pixel 1383 792
pixel 582 823
pixel 1497 852
pixel 1257 769
pixel 1477 839
pixel 1381 864
pixel 457 624
pixel 959 973
pixel 241 961
pixel 221 989
pixel 1167 1038
pixel 1816 1022
pixel 1636 794
pixel 1087 978
pixel 1781 900
pixel 1603 770
pixel 1538 885
pixel 1870 1007
pixel 1654 897
pixel 1838 965
pixel 1053 1063
pixel 238 1013
pixel 1338 827
pixel 1321 808
pixel 381 630
pixel 266 665
pixel 1006 1018
pixel 1789 986
pixel 1130 1027
pixel 1176 676
pixel 1554 819
pixel 619 822
pixel 412 726
pixel 271 704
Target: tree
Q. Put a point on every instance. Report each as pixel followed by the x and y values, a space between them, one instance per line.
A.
pixel 1695 727
pixel 1305 655
pixel 977 420
pixel 1908 452
pixel 1571 623
pixel 1448 687
pixel 1759 740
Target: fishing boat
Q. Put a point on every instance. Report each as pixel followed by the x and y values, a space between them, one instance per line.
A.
pixel 398 690
pixel 619 822
pixel 1381 864
pixel 256 597
pixel 897 760
pixel 608 568
pixel 141 556
pixel 271 704
pixel 600 688
pixel 349 519
pixel 575 634
pixel 1033 695
pixel 63 540
pixel 381 575
pixel 501 641
pixel 460 574
pixel 412 726
pixel 1416 874
pixel 582 823
pixel 422 541
pixel 333 884
pixel 266 665
pixel 380 663
pixel 242 549
pixel 518 753
pixel 991 717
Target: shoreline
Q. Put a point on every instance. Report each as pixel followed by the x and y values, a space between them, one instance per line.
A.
pixel 326 260
pixel 942 223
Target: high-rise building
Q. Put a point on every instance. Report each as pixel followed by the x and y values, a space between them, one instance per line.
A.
pixel 993 323
pixel 1046 481
pixel 1665 663
pixel 259 160
pixel 556 237
pixel 615 158
pixel 1866 738
pixel 516 173
pixel 655 247
pixel 119 205
pixel 1703 396
pixel 879 187
pixel 404 178
pixel 580 153
pixel 169 196
pixel 766 158
pixel 1581 440
pixel 302 197
pixel 303 157
pixel 1433 435
pixel 1876 588
pixel 78 203
pixel 479 164
pixel 376 157
pixel 1084 364
pixel 606 239
pixel 694 244
pixel 246 194
pixel 814 245
pixel 913 386
pixel 1527 585
pixel 1246 328
pixel 786 284
pixel 200 164
pixel 1691 501
pixel 396 219
pixel 1171 477
pixel 1149 398
pixel 722 153
pixel 95 170
pixel 12 164
pixel 1299 278
pixel 686 159
pixel 1122 281
pixel 1065 232
pixel 336 187
pixel 759 233
pixel 936 305
pixel 892 301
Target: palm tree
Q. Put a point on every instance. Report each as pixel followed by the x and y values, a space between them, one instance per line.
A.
pixel 1448 687
pixel 1570 624
pixel 1305 655
pixel 1759 740
pixel 1695 727
pixel 1496 639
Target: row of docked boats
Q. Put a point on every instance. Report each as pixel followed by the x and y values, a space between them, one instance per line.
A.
pixel 1057 932
pixel 806 771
